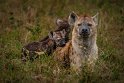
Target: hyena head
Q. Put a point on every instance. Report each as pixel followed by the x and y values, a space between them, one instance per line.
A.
pixel 58 37
pixel 84 26
pixel 62 23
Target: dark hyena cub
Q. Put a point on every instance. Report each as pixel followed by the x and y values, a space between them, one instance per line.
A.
pixel 45 46
pixel 58 38
pixel 63 24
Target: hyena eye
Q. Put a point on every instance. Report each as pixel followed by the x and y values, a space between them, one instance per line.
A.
pixel 89 24
pixel 79 24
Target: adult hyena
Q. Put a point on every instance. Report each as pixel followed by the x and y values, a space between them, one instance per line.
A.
pixel 84 35
pixel 82 49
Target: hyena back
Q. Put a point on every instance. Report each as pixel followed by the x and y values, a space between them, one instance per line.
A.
pixel 84 35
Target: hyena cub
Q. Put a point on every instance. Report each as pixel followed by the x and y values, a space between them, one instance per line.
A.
pixel 45 46
pixel 84 35
pixel 63 24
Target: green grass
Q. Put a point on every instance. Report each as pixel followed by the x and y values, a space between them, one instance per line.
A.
pixel 24 21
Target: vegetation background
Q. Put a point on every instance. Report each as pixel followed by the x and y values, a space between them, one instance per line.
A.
pixel 24 21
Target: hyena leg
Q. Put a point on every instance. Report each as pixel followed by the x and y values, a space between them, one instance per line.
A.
pixel 32 55
pixel 24 54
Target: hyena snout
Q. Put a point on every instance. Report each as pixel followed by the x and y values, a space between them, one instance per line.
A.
pixel 84 32
pixel 59 37
pixel 61 42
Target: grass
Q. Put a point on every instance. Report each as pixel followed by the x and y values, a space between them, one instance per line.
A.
pixel 24 21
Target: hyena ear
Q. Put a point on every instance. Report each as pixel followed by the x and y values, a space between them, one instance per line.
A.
pixel 50 35
pixel 63 32
pixel 72 18
pixel 58 22
pixel 95 18
pixel 54 35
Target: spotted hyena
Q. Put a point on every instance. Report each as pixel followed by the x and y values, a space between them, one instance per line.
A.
pixel 44 46
pixel 84 36
pixel 82 48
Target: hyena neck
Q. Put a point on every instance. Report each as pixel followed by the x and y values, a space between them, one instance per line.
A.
pixel 83 46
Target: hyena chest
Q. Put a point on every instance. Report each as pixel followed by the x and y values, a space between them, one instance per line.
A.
pixel 80 52
pixel 81 48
